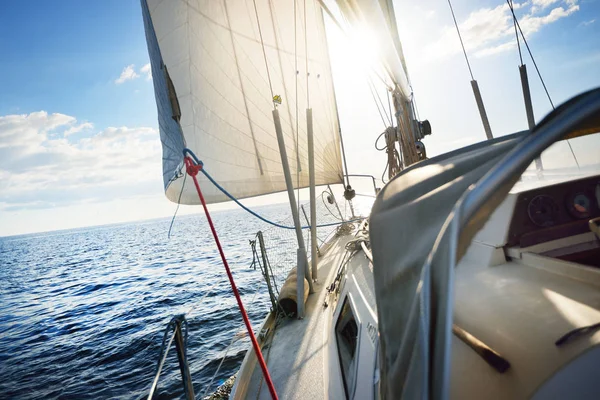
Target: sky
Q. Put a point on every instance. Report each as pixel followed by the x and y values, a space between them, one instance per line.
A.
pixel 79 140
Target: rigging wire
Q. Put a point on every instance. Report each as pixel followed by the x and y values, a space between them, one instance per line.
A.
pixel 233 340
pixel 177 208
pixel 414 102
pixel 370 81
pixel 517 25
pixel 461 41
pixel 261 74
pixel 390 116
pixel 381 113
pixel 337 114
pixel 390 107
pixel 264 52
pixel 529 51
pixel 517 35
pixel 197 304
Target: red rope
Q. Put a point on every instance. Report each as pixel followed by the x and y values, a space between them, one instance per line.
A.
pixel 192 170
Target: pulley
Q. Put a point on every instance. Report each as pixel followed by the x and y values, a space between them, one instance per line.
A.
pixel 421 151
pixel 349 193
pixel 424 128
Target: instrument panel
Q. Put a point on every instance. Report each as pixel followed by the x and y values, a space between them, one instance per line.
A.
pixel 554 212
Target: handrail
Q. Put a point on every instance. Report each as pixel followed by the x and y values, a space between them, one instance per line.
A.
pixel 160 366
pixel 559 123
pixel 363 244
pixel 366 176
pixel 176 323
pixel 366 250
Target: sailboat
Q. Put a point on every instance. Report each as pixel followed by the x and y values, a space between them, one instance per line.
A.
pixel 466 280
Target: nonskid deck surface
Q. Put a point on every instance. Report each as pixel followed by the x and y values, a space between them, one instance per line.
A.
pixel 296 357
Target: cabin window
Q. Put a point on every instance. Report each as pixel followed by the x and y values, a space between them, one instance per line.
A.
pixel 346 335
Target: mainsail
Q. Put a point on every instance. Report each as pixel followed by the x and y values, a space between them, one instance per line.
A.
pixel 219 67
pixel 377 17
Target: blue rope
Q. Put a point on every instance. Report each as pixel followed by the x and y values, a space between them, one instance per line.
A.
pixel 190 153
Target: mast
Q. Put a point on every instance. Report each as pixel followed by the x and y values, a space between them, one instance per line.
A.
pixel 406 129
pixel 302 261
pixel 302 264
pixel 313 196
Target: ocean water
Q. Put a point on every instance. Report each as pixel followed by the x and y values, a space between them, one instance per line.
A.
pixel 83 311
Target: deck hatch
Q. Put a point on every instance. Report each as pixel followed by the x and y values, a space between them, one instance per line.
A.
pixel 346 335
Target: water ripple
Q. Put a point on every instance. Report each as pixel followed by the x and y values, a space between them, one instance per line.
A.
pixel 82 312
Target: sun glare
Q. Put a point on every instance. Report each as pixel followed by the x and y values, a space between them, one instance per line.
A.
pixel 357 49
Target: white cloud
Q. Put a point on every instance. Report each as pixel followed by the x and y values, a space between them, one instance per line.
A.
pixel 27 130
pixel 147 70
pixel 587 23
pixel 127 74
pixel 530 24
pixel 488 31
pixel 78 128
pixel 38 166
pixel 488 51
pixel 541 4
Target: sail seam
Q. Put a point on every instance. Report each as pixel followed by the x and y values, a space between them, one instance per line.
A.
pixel 295 103
pixel 215 117
pixel 318 122
pixel 264 51
pixel 276 31
pixel 232 126
pixel 242 90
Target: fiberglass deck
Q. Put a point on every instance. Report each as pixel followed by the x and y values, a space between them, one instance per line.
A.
pixel 296 356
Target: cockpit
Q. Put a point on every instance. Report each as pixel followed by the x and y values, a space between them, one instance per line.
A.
pixel 555 221
pixel 528 288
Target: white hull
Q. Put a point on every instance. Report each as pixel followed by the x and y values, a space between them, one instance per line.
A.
pixel 515 300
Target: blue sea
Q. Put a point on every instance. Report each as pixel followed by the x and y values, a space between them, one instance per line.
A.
pixel 83 311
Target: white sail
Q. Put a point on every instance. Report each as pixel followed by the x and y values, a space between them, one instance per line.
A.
pixel 224 77
pixel 377 18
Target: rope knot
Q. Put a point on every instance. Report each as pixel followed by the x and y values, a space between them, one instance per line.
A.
pixel 192 168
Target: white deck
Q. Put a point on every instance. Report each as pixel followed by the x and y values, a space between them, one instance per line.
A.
pixel 296 356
